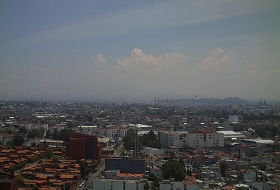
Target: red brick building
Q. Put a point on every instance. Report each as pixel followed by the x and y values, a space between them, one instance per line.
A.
pixel 82 146
pixel 8 181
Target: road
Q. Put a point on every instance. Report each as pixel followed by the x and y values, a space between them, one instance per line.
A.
pixel 95 175
pixel 100 167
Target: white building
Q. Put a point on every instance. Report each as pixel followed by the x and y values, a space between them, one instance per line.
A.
pixel 177 139
pixel 189 184
pixel 196 140
pixel 89 130
pixel 168 138
pixel 233 118
pixel 214 140
pixel 109 184
pixel 231 134
pixel 112 131
pixel 152 151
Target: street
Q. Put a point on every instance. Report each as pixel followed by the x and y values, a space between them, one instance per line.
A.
pixel 95 175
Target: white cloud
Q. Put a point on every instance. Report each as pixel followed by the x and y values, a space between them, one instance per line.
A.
pixel 100 59
pixel 141 59
pixel 142 75
pixel 216 60
pixel 147 17
pixel 217 51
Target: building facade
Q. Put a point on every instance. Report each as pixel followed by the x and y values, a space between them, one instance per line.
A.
pixel 8 181
pixel 199 139
pixel 126 164
pixel 82 146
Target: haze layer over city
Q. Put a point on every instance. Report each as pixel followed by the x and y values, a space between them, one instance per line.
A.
pixel 126 50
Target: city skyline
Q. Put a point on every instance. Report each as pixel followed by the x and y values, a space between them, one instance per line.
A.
pixel 117 50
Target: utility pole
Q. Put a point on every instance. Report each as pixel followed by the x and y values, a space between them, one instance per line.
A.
pixel 136 142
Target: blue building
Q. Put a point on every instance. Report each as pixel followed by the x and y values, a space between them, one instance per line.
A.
pixel 126 164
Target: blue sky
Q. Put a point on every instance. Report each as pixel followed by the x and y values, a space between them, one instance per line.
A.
pixel 125 50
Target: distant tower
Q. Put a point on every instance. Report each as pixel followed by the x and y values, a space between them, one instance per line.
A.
pixel 264 103
pixel 158 99
pixel 260 103
pixel 167 100
pixel 195 97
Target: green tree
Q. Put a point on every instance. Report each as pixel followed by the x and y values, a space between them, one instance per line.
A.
pixel 20 181
pixel 238 127
pixel 38 133
pixel 149 139
pixel 45 144
pixel 156 184
pixel 55 165
pixel 223 167
pixel 48 134
pixel 23 130
pixel 10 143
pixel 18 140
pixel 48 152
pixel 55 134
pixel 54 159
pixel 72 124
pixel 146 186
pixel 174 169
pixel 93 165
pixel 35 187
pixel 90 119
pixel 152 136
pixel 33 144
pixel 41 132
pixel 65 134
pixel 184 147
pixel 83 167
pixel 251 153
pixel 262 166
pixel 129 139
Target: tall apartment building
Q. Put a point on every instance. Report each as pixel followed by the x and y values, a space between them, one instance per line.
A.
pixel 205 139
pixel 82 146
pixel 171 138
pixel 199 139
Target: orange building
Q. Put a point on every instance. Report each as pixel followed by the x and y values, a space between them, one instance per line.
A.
pixel 82 146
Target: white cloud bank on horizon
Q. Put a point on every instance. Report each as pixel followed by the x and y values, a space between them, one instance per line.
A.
pixel 143 76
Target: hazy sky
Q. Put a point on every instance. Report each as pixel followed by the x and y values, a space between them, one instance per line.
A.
pixel 116 49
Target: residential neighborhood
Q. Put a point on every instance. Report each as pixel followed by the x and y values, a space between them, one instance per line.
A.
pixel 160 145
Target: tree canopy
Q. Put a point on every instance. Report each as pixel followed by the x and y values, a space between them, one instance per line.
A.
pixel 129 139
pixel 149 139
pixel 262 166
pixel 48 152
pixel 48 134
pixel 146 186
pixel 23 130
pixel 18 140
pixel 83 167
pixel 223 167
pixel 38 133
pixel 65 134
pixel 174 169
pixel 267 131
